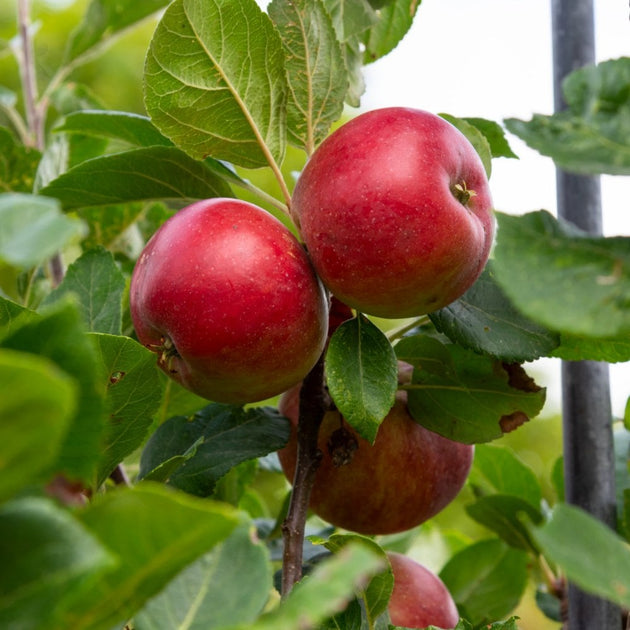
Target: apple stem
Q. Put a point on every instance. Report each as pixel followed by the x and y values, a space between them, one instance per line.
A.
pixel 314 402
pixel 462 193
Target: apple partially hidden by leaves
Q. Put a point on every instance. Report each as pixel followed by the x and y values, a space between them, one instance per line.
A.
pixel 396 212
pixel 227 297
pixel 406 477
pixel 419 598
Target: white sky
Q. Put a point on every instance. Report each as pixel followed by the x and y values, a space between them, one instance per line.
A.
pixel 492 58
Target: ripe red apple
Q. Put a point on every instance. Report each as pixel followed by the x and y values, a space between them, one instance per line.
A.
pixel 228 298
pixel 407 476
pixel 395 210
pixel 419 598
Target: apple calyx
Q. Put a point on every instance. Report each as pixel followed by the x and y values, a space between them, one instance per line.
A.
pixel 341 446
pixel 166 352
pixel 462 193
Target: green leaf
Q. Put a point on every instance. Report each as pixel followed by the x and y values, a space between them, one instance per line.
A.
pixel 362 374
pixel 33 228
pixel 315 68
pixel 54 562
pixel 495 135
pixel 485 321
pixel 17 164
pixel 576 348
pixel 37 403
pixel 486 579
pixel 131 128
pixel 394 21
pixel 59 335
pixel 229 585
pixel 622 473
pixel 465 396
pixel 154 533
pixel 134 392
pixel 562 278
pixel 99 285
pixel 499 469
pixel 503 514
pixel 215 82
pixel 12 316
pixel 105 19
pixel 475 137
pixel 108 223
pixel 592 555
pixel 143 174
pixel 230 434
pixel 591 136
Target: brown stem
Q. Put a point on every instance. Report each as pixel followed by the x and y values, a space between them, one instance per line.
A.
pixel 313 405
pixel 119 476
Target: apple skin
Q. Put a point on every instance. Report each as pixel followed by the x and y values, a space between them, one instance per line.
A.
pixel 406 477
pixel 378 209
pixel 228 298
pixel 419 598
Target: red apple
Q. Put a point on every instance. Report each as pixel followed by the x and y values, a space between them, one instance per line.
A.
pixel 407 476
pixel 228 298
pixel 419 598
pixel 395 210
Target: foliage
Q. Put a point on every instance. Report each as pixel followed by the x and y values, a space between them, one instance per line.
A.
pixel 193 536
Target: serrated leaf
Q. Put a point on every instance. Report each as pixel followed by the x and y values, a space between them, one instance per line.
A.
pixel 476 578
pixel 485 321
pixel 134 392
pixel 591 136
pixel 475 137
pixel 503 514
pixel 500 470
pixel 99 285
pixel 315 67
pixel 230 585
pixel 593 556
pixel 105 19
pixel 576 348
pixel 181 527
pixel 17 164
pixel 362 374
pixel 131 128
pixel 563 278
pixel 231 435
pixel 108 223
pixel 54 561
pixel 465 396
pixel 215 82
pixel 144 174
pixel 33 228
pixel 37 403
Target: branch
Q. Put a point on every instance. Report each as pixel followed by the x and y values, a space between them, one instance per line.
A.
pixel 313 405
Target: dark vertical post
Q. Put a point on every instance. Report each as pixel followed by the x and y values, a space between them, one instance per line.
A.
pixel 587 415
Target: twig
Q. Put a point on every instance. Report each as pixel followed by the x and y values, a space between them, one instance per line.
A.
pixel 313 405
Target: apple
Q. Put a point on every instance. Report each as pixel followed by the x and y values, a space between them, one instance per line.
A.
pixel 406 477
pixel 396 213
pixel 227 297
pixel 419 598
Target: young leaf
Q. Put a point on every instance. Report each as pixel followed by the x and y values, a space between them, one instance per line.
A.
pixel 143 174
pixel 486 579
pixel 362 374
pixel 155 533
pixel 134 392
pixel 315 68
pixel 33 229
pixel 495 135
pixel 108 223
pixel 37 404
pixel 476 138
pixel 464 396
pixel 54 562
pixel 98 284
pixel 485 321
pixel 592 556
pixel 17 164
pixel 215 82
pixel 562 278
pixel 231 435
pixel 590 136
pixel 227 586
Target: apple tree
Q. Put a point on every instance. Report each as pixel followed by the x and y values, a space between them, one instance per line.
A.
pixel 252 341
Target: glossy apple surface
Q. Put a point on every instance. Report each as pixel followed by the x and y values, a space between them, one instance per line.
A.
pixel 419 598
pixel 407 476
pixel 395 210
pixel 227 297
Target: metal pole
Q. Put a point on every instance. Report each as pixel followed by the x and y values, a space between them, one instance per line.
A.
pixel 587 415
